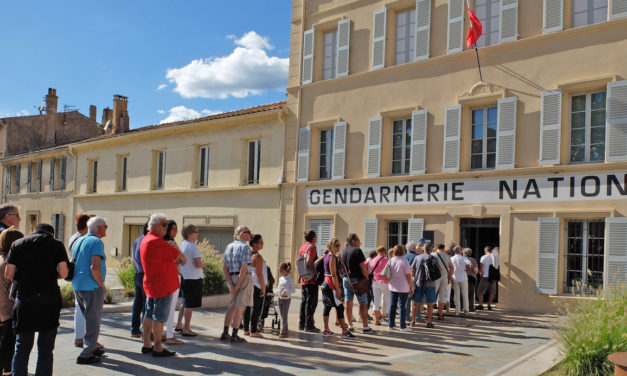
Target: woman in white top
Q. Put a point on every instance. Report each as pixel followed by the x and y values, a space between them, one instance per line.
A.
pixel 259 272
pixel 169 334
pixel 192 272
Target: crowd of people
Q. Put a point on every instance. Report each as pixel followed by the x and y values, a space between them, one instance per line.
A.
pixel 404 279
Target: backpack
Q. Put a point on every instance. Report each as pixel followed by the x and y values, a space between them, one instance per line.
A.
pixel 304 271
pixel 320 272
pixel 431 271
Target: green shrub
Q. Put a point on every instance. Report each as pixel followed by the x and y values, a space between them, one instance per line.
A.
pixel 213 282
pixel 67 296
pixel 591 331
pixel 126 275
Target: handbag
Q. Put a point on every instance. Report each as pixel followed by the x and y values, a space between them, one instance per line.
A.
pixel 386 272
pixel 371 275
pixel 71 265
pixel 360 287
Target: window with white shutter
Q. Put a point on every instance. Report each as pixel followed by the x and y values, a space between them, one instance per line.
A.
pixel 483 138
pixel 618 9
pixel 583 258
pixel 339 149
pixel 374 147
pixel 343 47
pixel 378 38
pixel 615 270
pixel 401 146
pixel 308 56
pixel 550 127
pixel 417 164
pixel 548 243
pixel 455 35
pixel 370 235
pixel 552 16
pixel 303 154
pixel 587 127
pixel 506 133
pixel 416 227
pixel 397 233
pixel 423 29
pixel 323 229
pixel 509 20
pixel 326 154
pixel 616 135
pixel 452 124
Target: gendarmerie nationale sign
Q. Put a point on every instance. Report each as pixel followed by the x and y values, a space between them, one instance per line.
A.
pixel 602 186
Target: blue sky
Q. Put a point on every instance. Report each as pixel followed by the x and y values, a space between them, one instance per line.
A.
pixel 173 59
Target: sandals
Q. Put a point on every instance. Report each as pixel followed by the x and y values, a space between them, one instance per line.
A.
pixel 178 329
pixel 257 335
pixel 189 334
pixel 173 341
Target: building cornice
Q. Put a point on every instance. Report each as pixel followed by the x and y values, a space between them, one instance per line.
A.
pixel 194 191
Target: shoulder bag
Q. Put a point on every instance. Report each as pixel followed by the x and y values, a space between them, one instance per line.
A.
pixel 360 287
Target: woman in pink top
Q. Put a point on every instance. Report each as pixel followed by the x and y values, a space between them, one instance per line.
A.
pixel 379 285
pixel 400 286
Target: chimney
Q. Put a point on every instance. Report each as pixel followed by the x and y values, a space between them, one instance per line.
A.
pixel 93 113
pixel 106 116
pixel 51 101
pixel 120 121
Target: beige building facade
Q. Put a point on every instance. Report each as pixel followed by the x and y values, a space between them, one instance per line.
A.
pixel 392 135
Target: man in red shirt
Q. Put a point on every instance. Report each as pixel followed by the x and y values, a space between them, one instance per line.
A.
pixel 159 260
pixel 309 288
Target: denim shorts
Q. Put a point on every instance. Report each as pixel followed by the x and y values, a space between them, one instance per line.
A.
pixel 427 291
pixel 158 309
pixel 349 293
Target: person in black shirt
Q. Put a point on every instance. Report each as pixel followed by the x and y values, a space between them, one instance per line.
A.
pixel 354 261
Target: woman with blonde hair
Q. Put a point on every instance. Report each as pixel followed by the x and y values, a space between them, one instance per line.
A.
pixel 332 290
pixel 379 284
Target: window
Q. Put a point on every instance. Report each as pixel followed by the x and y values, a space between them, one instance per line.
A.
pixel 483 143
pixel 93 176
pixel 584 256
pixel 122 172
pixel 39 169
pixel 587 127
pixel 62 173
pixel 405 34
pixel 254 147
pixel 330 54
pixel 58 223
pixel 13 179
pixel 489 13
pixel 587 12
pixel 326 153
pixel 217 237
pixel 401 146
pixel 203 166
pixel 159 169
pixel 323 229
pixel 397 233
pixel 58 168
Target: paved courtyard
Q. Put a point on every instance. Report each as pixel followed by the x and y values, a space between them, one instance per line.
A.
pixel 454 347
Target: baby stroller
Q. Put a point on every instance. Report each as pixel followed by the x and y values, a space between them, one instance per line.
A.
pixel 269 307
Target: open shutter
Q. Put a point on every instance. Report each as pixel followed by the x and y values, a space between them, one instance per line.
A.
pixel 455 35
pixel 7 180
pixel 51 178
pixel 618 9
pixel 417 163
pixel 370 235
pixel 303 154
pixel 343 46
pixel 550 127
pixel 63 173
pixel 423 29
pixel 374 147
pixel 324 235
pixel 17 178
pixel 39 168
pixel 378 39
pixel 452 124
pixel 506 133
pixel 415 227
pixel 509 20
pixel 615 258
pixel 339 150
pixel 29 177
pixel 308 56
pixel 60 235
pixel 616 134
pixel 553 16
pixel 548 244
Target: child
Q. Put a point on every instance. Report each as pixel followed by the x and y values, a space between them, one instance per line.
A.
pixel 284 291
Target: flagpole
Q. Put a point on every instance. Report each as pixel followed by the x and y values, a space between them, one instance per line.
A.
pixel 478 62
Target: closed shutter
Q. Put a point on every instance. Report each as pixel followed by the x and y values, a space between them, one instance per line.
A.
pixel 455 36
pixel 29 177
pixel 618 9
pixel 506 133
pixel 374 147
pixel 415 227
pixel 370 235
pixel 63 173
pixel 553 16
pixel 343 47
pixel 339 150
pixel 509 20
pixel 417 163
pixel 39 168
pixel 548 245
pixel 378 39
pixel 7 180
pixel 51 179
pixel 423 29
pixel 452 124
pixel 550 127
pixel 17 178
pixel 616 135
pixel 323 229
pixel 308 56
pixel 615 258
pixel 60 234
pixel 303 154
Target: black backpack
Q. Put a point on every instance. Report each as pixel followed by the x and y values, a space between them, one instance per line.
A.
pixel 431 271
pixel 320 272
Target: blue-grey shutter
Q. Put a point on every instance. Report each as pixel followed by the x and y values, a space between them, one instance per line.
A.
pixel 62 177
pixel 61 231
pixel 17 178
pixel 39 168
pixel 51 177
pixel 29 178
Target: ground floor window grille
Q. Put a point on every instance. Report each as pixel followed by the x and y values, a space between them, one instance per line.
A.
pixel 397 233
pixel 584 256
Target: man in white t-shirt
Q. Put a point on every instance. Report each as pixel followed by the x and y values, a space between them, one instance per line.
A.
pixel 443 284
pixel 461 265
pixel 485 284
pixel 192 279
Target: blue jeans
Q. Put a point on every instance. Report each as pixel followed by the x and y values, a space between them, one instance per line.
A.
pixel 24 345
pixel 395 297
pixel 139 304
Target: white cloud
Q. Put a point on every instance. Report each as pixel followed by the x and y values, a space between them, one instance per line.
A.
pixel 248 70
pixel 160 112
pixel 179 113
pixel 23 113
pixel 162 86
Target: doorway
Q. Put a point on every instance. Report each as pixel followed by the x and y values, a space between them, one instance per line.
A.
pixel 477 233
